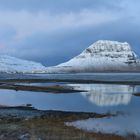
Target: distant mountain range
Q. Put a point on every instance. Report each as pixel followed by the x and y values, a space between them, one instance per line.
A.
pixel 101 56
pixel 10 64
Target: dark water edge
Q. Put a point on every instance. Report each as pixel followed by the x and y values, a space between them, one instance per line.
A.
pixel 86 78
pixel 75 76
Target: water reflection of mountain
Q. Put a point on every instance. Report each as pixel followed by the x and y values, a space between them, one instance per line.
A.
pixel 106 94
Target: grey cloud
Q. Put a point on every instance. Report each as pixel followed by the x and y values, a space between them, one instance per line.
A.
pixel 57 6
pixel 57 46
pixel 6 33
pixel 61 46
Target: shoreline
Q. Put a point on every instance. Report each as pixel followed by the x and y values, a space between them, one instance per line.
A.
pixel 26 122
pixel 52 89
pixel 132 82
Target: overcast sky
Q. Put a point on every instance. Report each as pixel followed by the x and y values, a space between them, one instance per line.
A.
pixel 53 31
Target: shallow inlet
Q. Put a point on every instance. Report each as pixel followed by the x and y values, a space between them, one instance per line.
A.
pixel 99 98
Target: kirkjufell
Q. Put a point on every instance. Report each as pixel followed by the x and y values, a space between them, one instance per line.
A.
pixel 101 56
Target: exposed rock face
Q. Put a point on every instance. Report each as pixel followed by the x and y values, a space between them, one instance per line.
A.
pixel 10 64
pixel 102 56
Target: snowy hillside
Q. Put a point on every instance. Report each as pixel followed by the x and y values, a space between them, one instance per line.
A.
pixel 102 56
pixel 14 65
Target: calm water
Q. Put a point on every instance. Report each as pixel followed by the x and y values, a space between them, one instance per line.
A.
pixel 99 98
pixel 92 76
pixel 85 76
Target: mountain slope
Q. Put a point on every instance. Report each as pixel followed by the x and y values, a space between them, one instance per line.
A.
pixel 102 56
pixel 10 64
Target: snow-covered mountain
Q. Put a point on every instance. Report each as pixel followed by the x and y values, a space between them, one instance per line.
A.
pixel 10 64
pixel 102 56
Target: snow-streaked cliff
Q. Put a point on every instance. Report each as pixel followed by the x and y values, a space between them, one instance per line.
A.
pixel 10 64
pixel 102 56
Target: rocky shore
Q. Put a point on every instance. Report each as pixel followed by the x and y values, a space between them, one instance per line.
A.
pixel 28 123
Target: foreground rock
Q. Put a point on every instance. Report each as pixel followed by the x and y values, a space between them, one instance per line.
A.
pixel 26 123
